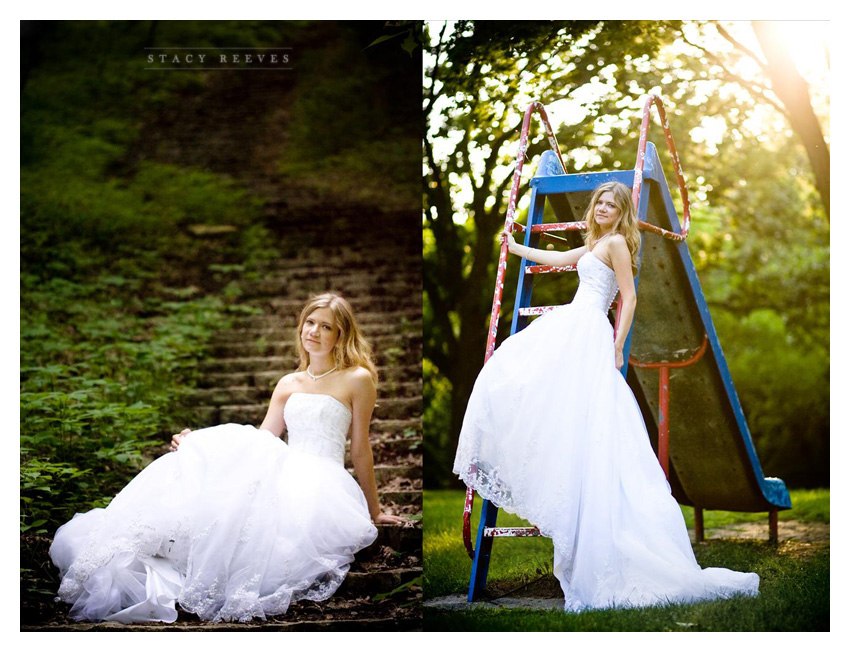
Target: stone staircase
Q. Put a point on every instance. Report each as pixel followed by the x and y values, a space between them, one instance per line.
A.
pixel 381 277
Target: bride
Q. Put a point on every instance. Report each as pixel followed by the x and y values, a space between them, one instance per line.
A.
pixel 553 433
pixel 235 524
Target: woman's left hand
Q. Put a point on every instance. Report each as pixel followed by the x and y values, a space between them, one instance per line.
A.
pixel 618 356
pixel 389 519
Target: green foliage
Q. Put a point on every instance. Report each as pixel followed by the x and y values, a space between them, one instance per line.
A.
pixel 783 385
pixel 86 198
pixel 115 218
pixel 103 375
pixel 436 397
pixel 368 152
pixel 410 31
pixel 45 488
pixel 112 325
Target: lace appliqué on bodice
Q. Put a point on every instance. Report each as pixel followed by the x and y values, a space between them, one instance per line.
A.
pixel 598 283
pixel 317 424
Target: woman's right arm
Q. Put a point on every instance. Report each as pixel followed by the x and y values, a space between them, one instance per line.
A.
pixel 274 422
pixel 557 258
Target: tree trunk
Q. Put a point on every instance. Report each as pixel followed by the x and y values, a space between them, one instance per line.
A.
pixel 793 91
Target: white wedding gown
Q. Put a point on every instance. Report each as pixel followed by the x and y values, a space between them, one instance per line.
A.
pixel 553 433
pixel 234 525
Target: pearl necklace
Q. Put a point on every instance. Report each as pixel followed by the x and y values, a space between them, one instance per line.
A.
pixel 310 373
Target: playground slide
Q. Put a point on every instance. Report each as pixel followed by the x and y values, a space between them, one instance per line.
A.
pixel 713 463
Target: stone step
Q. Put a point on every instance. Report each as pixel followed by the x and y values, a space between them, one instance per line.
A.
pixel 392 416
pixel 348 240
pixel 356 606
pixel 288 313
pixel 350 258
pixel 217 396
pixel 404 540
pixel 223 393
pixel 308 281
pixel 300 267
pixel 253 403
pixel 268 378
pixel 412 497
pixel 366 308
pixel 352 288
pixel 272 327
pixel 401 380
pixel 283 344
pixel 411 356
pixel 386 473
pixel 369 584
pixel 389 428
pixel 393 451
pixel 328 623
pixel 368 314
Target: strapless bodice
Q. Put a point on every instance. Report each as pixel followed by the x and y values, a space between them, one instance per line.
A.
pixel 597 283
pixel 317 424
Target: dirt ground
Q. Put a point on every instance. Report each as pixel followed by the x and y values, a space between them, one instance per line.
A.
pixel 788 531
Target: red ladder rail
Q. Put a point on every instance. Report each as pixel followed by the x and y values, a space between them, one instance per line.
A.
pixel 502 267
pixel 655 100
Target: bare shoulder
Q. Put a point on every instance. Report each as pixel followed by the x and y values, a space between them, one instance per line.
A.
pixel 290 379
pixel 618 241
pixel 618 247
pixel 359 384
pixel 359 378
pixel 288 383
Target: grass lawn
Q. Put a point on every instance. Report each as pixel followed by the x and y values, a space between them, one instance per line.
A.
pixel 794 590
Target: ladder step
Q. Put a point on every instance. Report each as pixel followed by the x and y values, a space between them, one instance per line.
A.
pixel 554 226
pixel 511 532
pixel 549 269
pixel 558 226
pixel 536 310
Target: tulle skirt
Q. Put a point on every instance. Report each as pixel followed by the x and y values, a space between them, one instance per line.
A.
pixel 235 525
pixel 553 433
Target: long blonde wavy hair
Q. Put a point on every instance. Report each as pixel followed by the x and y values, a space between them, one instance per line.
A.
pixel 626 225
pixel 351 349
